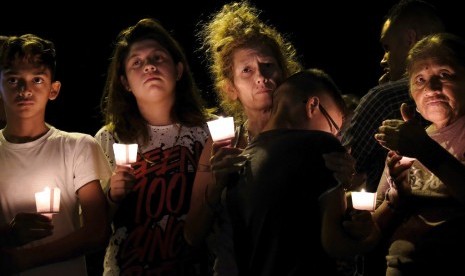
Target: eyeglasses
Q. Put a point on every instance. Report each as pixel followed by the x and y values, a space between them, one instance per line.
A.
pixel 331 122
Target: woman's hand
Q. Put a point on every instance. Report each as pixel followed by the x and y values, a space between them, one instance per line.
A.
pixel 121 183
pixel 406 137
pixel 225 160
pixel 397 176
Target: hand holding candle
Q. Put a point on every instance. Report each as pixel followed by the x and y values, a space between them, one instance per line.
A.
pixel 48 201
pixel 125 154
pixel 221 128
pixel 28 227
pixel 363 200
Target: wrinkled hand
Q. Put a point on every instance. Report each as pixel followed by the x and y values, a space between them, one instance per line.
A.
pixel 225 160
pixel 397 175
pixel 343 166
pixel 28 227
pixel 361 225
pixel 406 137
pixel 121 182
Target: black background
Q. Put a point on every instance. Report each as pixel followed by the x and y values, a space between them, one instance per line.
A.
pixel 340 37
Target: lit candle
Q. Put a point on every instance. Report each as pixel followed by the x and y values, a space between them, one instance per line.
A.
pixel 221 128
pixel 125 154
pixel 363 200
pixel 406 160
pixel 48 201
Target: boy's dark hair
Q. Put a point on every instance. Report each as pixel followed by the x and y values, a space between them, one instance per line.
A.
pixel 37 51
pixel 315 81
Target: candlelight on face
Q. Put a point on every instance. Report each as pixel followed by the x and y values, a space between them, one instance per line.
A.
pixel 125 154
pixel 363 200
pixel 221 128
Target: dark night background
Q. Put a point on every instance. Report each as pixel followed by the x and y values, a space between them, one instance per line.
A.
pixel 340 37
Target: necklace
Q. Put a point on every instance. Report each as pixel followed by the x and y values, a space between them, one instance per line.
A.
pixel 249 137
pixel 163 154
pixel 247 134
pixel 243 130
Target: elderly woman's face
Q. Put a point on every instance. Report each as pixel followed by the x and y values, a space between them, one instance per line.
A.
pixel 438 90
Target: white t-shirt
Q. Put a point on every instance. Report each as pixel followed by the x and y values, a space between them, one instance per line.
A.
pixel 58 159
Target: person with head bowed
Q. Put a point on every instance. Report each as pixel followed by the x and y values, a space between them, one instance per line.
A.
pixel 286 207
pixel 248 59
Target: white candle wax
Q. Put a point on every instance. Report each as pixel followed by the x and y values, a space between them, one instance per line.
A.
pixel 125 154
pixel 406 160
pixel 363 200
pixel 48 201
pixel 221 128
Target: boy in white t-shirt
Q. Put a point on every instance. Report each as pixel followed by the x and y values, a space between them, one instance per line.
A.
pixel 35 155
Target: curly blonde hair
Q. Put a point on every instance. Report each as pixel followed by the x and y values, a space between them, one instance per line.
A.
pixel 237 25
